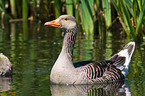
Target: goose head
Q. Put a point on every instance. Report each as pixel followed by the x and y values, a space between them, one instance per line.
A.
pixel 66 22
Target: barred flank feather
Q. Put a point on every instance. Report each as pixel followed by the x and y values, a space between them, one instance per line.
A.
pixel 116 68
pixel 105 70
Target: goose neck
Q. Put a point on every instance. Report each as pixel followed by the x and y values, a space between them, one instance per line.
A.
pixel 68 42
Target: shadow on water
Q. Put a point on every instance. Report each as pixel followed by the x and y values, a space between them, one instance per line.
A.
pixel 33 48
pixel 112 89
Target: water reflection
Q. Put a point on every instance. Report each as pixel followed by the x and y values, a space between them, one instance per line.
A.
pixel 33 49
pixel 116 88
pixel 5 84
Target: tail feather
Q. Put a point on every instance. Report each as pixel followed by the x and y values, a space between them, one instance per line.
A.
pixel 124 57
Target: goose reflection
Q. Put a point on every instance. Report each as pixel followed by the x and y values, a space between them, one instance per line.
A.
pixel 116 88
pixel 5 84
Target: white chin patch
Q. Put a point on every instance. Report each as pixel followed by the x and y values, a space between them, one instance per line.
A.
pixel 71 25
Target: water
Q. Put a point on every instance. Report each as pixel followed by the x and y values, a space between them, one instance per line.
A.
pixel 33 48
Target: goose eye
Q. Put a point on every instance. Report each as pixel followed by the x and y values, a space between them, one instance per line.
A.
pixel 65 19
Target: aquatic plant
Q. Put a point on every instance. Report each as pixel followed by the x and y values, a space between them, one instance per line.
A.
pixel 3 12
pixel 130 13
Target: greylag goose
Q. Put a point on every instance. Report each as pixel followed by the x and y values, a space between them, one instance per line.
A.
pixel 87 72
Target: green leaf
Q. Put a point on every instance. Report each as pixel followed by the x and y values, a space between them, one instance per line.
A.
pixel 91 9
pixel 135 11
pixel 127 19
pixel 4 9
pixel 13 8
pixel 69 7
pixel 1 9
pixel 76 7
pixel 115 5
pixel 57 8
pixel 25 9
pixel 140 4
pixel 140 18
pixel 87 21
pixel 107 12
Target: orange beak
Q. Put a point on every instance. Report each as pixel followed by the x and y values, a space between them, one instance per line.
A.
pixel 54 23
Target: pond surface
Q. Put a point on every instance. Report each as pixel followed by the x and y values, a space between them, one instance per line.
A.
pixel 33 48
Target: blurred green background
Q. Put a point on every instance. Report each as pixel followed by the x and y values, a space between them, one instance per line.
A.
pixel 91 13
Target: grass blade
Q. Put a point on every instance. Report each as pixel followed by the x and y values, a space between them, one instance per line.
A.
pixel 57 8
pixel 1 9
pixel 76 7
pixel 13 8
pixel 69 7
pixel 135 11
pixel 25 9
pixel 107 12
pixel 4 9
pixel 91 9
pixel 87 21
pixel 117 6
pixel 127 19
pixel 140 18
pixel 129 5
pixel 140 4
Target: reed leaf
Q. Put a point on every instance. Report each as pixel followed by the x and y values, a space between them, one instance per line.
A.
pixel 57 8
pixel 25 9
pixel 90 4
pixel 86 17
pixel 127 9
pixel 122 18
pixel 130 12
pixel 101 5
pixel 25 30
pixel 34 8
pixel 97 4
pixel 69 7
pixel 107 12
pixel 129 6
pixel 3 9
pixel 140 18
pixel 135 11
pixel 76 8
pixel 13 8
pixel 117 6
pixel 140 4
pixel 100 26
pixel 34 2
pixel 127 19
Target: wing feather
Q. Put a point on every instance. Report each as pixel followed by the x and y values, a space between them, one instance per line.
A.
pixel 97 69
